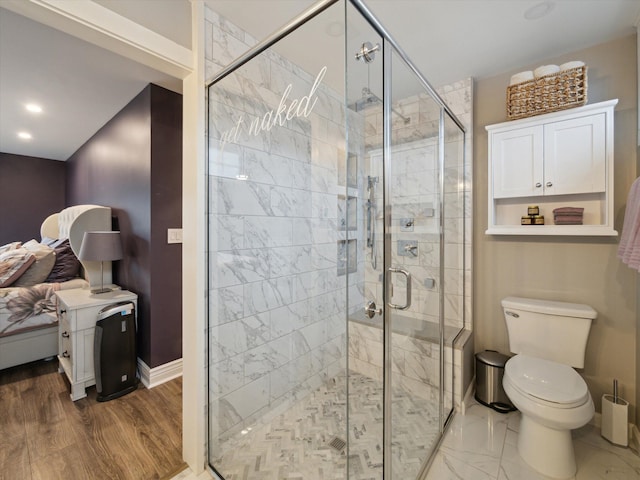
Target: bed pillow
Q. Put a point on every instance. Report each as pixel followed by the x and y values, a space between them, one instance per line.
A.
pixel 53 242
pixel 67 265
pixel 10 246
pixel 14 263
pixel 41 268
pixel 48 241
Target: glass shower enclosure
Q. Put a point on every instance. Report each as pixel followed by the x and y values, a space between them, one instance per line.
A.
pixel 335 213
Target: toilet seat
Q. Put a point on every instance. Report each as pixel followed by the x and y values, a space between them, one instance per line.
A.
pixel 549 383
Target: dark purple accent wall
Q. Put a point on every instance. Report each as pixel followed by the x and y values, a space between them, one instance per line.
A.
pixel 31 189
pixel 134 165
pixel 166 212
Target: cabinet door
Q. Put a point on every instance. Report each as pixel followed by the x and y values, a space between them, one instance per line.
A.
pixel 575 158
pixel 517 162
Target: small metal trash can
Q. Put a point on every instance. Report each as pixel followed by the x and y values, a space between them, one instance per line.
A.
pixel 489 372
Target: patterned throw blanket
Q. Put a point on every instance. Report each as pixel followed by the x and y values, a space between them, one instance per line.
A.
pixel 27 308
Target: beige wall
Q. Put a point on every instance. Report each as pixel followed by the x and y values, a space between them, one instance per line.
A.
pixel 573 269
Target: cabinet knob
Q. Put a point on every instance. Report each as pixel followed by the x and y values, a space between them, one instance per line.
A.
pixel 65 354
pixel 549 184
pixel 62 311
pixel 65 334
pixel 538 185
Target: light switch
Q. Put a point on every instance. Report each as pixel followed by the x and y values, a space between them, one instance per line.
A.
pixel 174 235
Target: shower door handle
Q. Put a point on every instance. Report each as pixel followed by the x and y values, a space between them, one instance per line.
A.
pixel 408 299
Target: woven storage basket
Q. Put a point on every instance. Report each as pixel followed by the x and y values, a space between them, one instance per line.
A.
pixel 558 91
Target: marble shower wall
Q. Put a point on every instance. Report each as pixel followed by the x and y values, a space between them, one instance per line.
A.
pixel 277 293
pixel 414 176
pixel 414 187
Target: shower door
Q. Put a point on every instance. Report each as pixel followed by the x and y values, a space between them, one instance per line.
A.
pixel 413 250
pixel 395 299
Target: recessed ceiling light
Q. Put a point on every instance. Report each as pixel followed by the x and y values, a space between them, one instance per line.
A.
pixel 539 10
pixel 24 135
pixel 33 107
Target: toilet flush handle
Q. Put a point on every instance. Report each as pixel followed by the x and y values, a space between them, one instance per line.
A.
pixel 512 314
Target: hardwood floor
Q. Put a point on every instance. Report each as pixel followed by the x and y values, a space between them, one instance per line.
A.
pixel 46 436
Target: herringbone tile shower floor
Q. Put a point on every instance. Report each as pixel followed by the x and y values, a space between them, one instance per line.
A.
pixel 295 445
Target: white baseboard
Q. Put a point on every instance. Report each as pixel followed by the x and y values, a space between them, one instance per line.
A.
pixel 152 377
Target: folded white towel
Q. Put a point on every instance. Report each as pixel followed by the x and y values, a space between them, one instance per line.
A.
pixel 521 77
pixel 629 247
pixel 545 70
pixel 570 65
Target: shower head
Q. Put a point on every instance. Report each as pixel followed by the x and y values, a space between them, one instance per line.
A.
pixel 370 99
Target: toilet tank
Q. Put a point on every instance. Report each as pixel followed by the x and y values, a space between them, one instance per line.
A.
pixel 555 331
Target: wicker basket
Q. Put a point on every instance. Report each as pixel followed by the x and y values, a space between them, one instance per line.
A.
pixel 558 91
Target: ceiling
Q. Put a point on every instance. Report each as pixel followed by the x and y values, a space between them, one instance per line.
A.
pixel 82 86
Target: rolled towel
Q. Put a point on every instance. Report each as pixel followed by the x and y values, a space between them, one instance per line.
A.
pixel 525 76
pixel 570 65
pixel 545 70
pixel 568 211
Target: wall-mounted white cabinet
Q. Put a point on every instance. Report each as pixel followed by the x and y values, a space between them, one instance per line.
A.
pixel 560 159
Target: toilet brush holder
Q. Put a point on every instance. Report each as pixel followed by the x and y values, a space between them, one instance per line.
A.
pixel 615 419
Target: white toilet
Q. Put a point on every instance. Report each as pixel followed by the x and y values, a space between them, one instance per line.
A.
pixel 548 338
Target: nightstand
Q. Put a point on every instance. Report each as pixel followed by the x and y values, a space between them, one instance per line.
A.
pixel 77 314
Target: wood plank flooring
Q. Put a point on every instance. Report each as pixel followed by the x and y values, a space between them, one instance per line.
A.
pixel 46 436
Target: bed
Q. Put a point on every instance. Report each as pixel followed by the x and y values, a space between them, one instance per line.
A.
pixel 28 321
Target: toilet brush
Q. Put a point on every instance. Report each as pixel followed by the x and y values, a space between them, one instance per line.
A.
pixel 615 417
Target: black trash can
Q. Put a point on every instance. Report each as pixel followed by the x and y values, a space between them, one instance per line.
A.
pixel 489 372
pixel 114 351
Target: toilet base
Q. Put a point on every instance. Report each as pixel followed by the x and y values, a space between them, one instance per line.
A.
pixel 547 450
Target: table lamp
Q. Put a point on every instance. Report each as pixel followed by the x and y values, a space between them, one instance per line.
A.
pixel 101 247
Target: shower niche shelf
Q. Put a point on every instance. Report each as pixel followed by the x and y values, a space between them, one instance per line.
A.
pixel 347 256
pixel 560 159
pixel 347 213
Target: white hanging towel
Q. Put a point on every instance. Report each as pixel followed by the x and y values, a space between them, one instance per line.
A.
pixel 629 248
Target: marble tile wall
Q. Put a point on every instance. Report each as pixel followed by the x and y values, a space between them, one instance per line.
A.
pixel 415 363
pixel 414 195
pixel 277 295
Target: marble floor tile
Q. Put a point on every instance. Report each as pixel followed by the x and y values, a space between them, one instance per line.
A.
pixel 477 438
pixel 445 467
pixel 479 445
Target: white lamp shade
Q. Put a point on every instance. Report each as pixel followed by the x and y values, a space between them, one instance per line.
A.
pixel 101 246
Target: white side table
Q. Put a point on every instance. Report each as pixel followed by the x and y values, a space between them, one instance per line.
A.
pixel 77 314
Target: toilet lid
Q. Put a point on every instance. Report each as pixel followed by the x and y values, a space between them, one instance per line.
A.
pixel 546 380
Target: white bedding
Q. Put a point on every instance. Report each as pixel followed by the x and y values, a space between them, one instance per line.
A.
pixel 29 308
